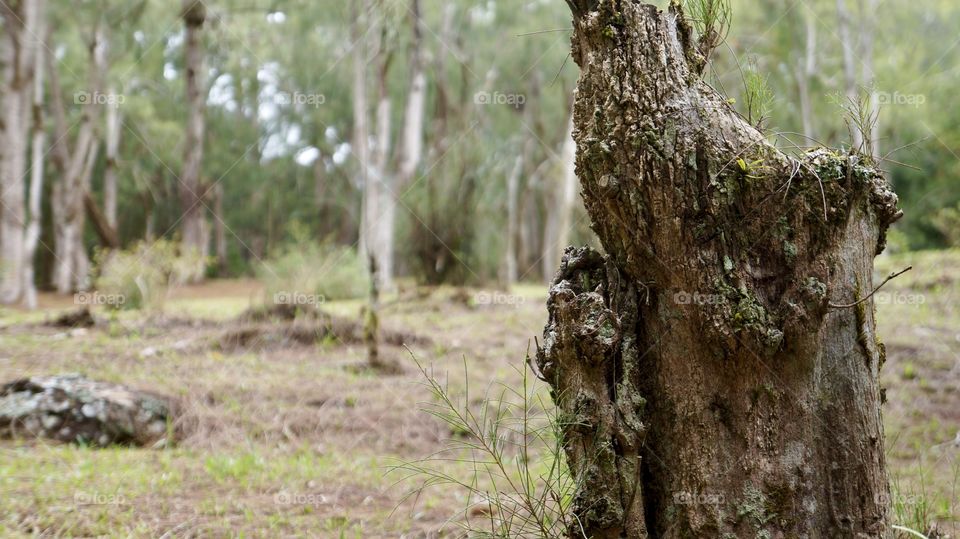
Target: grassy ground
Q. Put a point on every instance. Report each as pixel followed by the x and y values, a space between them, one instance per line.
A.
pixel 295 441
pixel 281 441
pixel 918 316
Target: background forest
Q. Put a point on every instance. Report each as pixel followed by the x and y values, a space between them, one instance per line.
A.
pixel 172 174
pixel 278 95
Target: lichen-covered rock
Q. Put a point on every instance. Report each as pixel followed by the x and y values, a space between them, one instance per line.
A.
pixel 72 408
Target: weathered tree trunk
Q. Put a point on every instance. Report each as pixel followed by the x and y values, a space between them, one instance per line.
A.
pixel 194 229
pixel 712 387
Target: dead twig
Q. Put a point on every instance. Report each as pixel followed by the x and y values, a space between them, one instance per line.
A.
pixel 891 277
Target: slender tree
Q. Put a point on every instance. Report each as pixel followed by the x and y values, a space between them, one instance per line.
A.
pixel 194 228
pixel 114 121
pixel 719 366
pixel 385 176
pixel 38 149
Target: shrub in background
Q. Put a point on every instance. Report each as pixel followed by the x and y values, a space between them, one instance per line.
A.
pixel 145 274
pixel 308 269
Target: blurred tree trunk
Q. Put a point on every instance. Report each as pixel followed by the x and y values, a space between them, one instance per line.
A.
pixel 361 119
pixel 561 196
pixel 859 82
pixel 382 187
pixel 868 19
pixel 38 149
pixel 18 46
pixel 71 263
pixel 220 230
pixel 511 272
pixel 114 121
pixel 194 228
pixel 381 207
pixel 411 145
pixel 719 379
pixel 805 72
pixel 851 82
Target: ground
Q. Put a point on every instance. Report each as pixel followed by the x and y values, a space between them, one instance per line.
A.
pixel 294 440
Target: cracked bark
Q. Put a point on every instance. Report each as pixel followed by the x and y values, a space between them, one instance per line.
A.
pixel 708 388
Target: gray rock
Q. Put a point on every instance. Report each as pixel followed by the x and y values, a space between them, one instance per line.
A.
pixel 72 408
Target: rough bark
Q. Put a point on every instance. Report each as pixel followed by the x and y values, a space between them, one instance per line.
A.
pixel 194 229
pixel 711 389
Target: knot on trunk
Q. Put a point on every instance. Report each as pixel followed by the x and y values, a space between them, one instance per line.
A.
pixel 194 13
pixel 589 358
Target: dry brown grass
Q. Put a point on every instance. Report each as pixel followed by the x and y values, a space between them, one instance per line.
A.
pixel 294 439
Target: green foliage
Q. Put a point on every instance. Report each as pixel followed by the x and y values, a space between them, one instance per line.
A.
pixel 712 19
pixel 861 119
pixel 947 222
pixel 319 270
pixel 521 486
pixel 758 95
pixel 144 275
